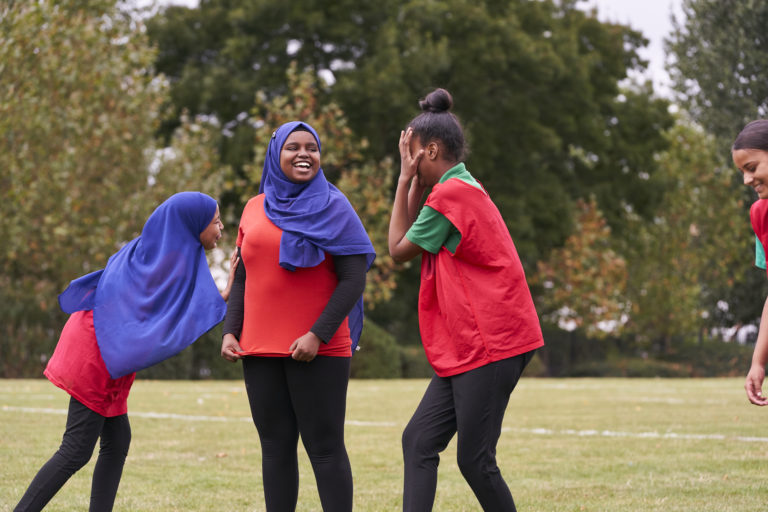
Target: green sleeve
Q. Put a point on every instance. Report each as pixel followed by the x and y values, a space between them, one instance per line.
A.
pixel 759 254
pixel 432 230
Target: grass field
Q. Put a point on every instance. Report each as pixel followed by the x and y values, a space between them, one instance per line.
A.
pixel 568 445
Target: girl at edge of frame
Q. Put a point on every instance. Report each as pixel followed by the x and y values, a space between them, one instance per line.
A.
pixel 477 319
pixel 750 155
pixel 155 297
pixel 295 316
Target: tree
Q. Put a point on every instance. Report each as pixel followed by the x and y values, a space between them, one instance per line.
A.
pixel 721 75
pixel 681 261
pixel 719 66
pixel 535 82
pixel 79 108
pixel 583 284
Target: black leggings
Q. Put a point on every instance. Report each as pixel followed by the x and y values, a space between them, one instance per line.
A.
pixel 84 428
pixel 471 404
pixel 289 398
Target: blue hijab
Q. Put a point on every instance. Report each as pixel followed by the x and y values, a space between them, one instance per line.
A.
pixel 156 295
pixel 315 218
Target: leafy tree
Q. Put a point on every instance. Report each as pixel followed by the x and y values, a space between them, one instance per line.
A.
pixel 535 82
pixel 79 108
pixel 680 261
pixel 721 74
pixel 583 284
pixel 719 66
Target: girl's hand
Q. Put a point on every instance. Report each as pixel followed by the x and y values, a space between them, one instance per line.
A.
pixel 754 385
pixel 305 348
pixel 409 163
pixel 230 348
pixel 234 260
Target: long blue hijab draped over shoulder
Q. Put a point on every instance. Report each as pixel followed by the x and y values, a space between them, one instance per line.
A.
pixel 156 295
pixel 315 218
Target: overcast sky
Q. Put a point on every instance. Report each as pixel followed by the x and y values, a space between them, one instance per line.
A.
pixel 653 19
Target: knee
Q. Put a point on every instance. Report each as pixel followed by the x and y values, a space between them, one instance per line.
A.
pixel 409 440
pixel 116 441
pixel 475 465
pixel 415 445
pixel 74 457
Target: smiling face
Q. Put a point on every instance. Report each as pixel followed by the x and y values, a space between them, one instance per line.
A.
pixel 300 157
pixel 753 164
pixel 212 233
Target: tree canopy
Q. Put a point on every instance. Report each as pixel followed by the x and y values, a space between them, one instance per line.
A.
pixel 536 84
pixel 79 109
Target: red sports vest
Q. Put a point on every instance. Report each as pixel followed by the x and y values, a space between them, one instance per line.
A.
pixel 76 367
pixel 758 214
pixel 281 305
pixel 474 306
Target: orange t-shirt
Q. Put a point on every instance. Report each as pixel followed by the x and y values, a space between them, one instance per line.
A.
pixel 281 305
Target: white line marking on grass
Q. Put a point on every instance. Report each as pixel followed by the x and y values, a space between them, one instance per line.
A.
pixel 357 423
pixel 185 417
pixel 637 435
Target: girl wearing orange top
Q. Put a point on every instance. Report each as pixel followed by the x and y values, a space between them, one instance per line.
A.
pixel 295 315
pixel 477 321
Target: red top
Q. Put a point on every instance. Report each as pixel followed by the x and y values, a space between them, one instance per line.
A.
pixel 758 214
pixel 280 305
pixel 474 306
pixel 76 367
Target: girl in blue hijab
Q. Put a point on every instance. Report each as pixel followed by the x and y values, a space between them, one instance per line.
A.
pixel 296 322
pixel 154 298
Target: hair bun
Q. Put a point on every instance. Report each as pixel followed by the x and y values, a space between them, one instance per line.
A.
pixel 437 101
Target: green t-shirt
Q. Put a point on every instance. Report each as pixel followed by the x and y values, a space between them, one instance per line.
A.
pixel 432 230
pixel 759 254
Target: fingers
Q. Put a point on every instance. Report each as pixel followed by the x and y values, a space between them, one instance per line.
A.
pixel 754 392
pixel 405 147
pixel 230 355
pixel 230 348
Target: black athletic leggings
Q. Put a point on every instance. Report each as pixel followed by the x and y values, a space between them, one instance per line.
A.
pixel 289 398
pixel 471 404
pixel 84 428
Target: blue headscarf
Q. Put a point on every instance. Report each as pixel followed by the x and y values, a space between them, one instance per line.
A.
pixel 315 218
pixel 156 295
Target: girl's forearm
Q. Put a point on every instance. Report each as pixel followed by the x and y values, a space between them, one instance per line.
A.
pixel 400 220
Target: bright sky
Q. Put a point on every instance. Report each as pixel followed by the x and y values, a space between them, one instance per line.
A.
pixel 653 19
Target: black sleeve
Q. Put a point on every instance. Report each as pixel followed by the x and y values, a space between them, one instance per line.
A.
pixel 350 271
pixel 233 321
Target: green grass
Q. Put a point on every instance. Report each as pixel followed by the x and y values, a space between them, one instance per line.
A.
pixel 568 445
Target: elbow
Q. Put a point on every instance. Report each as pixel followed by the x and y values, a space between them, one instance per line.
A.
pixel 397 256
pixel 400 256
